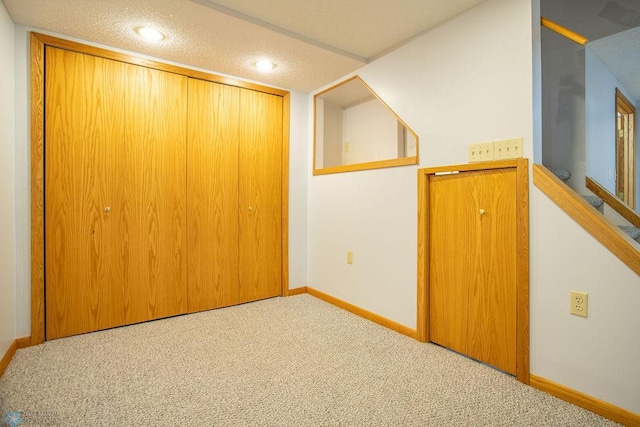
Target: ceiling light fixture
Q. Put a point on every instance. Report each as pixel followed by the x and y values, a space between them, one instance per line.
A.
pixel 265 65
pixel 150 34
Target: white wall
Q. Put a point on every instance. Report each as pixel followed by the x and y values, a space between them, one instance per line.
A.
pixel 481 67
pixel 7 190
pixel 597 355
pixel 466 81
pixel 319 133
pixel 298 171
pixel 299 151
pixel 22 184
pixel 371 131
pixel 368 129
pixel 594 355
pixel 331 141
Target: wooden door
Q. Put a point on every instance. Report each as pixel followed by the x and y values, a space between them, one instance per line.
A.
pixel 260 195
pixel 453 233
pixel 212 170
pixel 155 229
pixel 473 265
pixel 85 133
pixel 625 149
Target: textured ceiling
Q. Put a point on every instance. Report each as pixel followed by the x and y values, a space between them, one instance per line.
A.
pixel 364 28
pixel 314 42
pixel 621 53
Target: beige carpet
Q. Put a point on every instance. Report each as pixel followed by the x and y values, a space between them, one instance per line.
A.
pixel 281 362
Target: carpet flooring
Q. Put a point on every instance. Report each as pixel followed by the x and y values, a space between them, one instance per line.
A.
pixel 294 361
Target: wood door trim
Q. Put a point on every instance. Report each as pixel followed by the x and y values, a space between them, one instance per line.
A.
pixel 522 271
pixel 37 190
pixel 284 231
pixel 599 226
pixel 377 164
pixel 627 180
pixel 522 253
pixel 404 161
pixel 149 63
pixel 37 61
pixel 23 342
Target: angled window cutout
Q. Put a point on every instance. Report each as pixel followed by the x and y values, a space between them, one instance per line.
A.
pixel 355 130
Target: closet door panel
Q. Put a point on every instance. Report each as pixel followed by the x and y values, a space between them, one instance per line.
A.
pixel 212 170
pixel 260 195
pixel 492 308
pixel 154 239
pixel 84 134
pixel 453 235
pixel 473 265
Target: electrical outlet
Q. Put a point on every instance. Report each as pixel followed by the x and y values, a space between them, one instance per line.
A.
pixel 579 303
pixel 508 149
pixel 349 257
pixel 481 152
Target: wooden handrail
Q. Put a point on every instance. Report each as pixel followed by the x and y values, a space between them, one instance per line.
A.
pixel 615 203
pixel 605 231
pixel 571 35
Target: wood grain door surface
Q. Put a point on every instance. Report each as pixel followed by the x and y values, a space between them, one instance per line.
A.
pixel 85 133
pixel 212 170
pixel 115 193
pixel 260 195
pixel 473 265
pixel 163 194
pixel 155 216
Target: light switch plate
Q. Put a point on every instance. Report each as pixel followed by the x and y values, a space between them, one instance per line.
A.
pixel 481 152
pixel 508 149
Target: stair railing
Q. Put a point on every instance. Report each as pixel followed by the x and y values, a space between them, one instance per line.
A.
pixel 600 227
pixel 625 211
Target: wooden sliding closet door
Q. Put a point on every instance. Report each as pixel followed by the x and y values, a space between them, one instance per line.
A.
pixel 260 195
pixel 212 168
pixel 85 135
pixel 154 241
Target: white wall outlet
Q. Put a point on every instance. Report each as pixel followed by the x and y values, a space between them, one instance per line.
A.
pixel 579 303
pixel 508 149
pixel 481 152
pixel 347 146
pixel 349 257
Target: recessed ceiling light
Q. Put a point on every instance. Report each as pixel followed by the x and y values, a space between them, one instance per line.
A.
pixel 150 34
pixel 265 65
